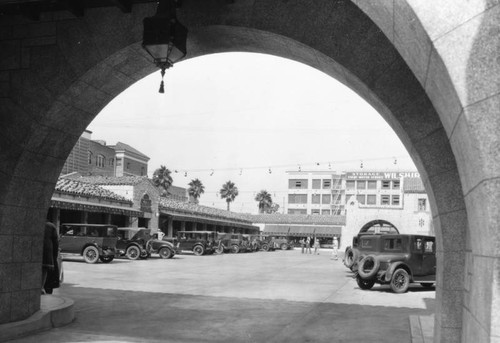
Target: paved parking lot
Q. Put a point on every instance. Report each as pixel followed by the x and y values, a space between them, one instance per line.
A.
pixel 281 296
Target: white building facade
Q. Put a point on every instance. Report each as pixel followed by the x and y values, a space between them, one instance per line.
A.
pixel 370 201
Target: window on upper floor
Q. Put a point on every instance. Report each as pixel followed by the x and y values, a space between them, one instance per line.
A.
pixel 385 200
pixel 361 198
pixel 327 183
pixel 350 184
pixel 297 184
pixel 316 184
pixel 422 204
pixel 326 199
pixel 396 184
pixel 386 184
pixel 100 161
pixel 371 199
pixel 361 185
pixel 315 198
pixel 372 184
pixel 395 200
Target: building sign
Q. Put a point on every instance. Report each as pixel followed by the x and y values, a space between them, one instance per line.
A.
pixel 380 175
pixel 146 204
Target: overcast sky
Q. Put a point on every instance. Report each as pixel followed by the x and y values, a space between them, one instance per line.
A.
pixel 248 118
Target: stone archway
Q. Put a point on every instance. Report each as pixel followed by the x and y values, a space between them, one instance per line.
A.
pixel 381 223
pixel 433 80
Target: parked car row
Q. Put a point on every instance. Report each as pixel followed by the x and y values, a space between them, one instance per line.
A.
pixel 394 259
pixel 104 242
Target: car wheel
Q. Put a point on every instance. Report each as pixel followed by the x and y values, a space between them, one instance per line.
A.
pixel 400 281
pixel 284 246
pixel 427 284
pixel 235 249
pixel 265 247
pixel 165 253
pixel 348 257
pixel 144 255
pixel 364 284
pixel 133 252
pixel 91 254
pixel 219 250
pixel 198 250
pixel 368 267
pixel 106 259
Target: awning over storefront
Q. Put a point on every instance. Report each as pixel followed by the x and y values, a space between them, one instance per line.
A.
pixel 303 230
pixel 276 229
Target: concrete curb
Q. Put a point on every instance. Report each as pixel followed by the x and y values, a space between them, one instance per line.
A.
pixel 422 329
pixel 54 312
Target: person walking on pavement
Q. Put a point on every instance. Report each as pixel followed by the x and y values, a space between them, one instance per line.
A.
pixel 303 244
pixel 308 245
pixel 316 246
pixel 335 252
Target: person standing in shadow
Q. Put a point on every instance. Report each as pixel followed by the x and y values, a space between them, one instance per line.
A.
pixel 50 267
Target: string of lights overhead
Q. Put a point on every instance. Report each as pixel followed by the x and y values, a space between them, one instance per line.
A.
pixel 330 165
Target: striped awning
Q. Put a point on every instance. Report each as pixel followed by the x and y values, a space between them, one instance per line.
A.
pixel 276 229
pixel 303 230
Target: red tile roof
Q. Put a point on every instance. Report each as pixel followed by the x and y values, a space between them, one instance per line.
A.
pixel 75 187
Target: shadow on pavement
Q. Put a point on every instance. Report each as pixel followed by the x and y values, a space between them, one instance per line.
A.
pixel 133 316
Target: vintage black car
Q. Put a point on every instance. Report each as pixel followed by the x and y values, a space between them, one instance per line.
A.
pixel 132 242
pixel 161 247
pixel 258 242
pixel 199 242
pixel 92 241
pixel 397 260
pixel 282 242
pixel 231 242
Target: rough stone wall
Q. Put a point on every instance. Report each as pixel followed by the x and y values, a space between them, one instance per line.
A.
pixel 430 69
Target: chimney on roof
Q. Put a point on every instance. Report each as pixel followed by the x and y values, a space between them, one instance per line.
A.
pixel 100 141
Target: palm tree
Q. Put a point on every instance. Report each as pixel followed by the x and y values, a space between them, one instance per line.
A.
pixel 162 179
pixel 196 189
pixel 229 192
pixel 265 201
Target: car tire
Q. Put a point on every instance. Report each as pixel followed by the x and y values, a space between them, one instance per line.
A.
pixel 133 252
pixel 90 254
pixel 427 285
pixel 144 255
pixel 219 250
pixel 368 267
pixel 264 247
pixel 349 257
pixel 400 281
pixel 198 250
pixel 106 259
pixel 235 249
pixel 165 253
pixel 284 246
pixel 364 284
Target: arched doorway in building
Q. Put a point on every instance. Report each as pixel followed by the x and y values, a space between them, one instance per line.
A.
pixel 399 56
pixel 379 226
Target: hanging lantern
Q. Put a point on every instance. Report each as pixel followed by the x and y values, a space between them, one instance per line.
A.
pixel 164 38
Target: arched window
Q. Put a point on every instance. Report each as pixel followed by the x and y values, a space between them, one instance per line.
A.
pixel 100 160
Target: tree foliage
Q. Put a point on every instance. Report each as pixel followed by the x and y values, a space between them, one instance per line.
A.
pixel 229 192
pixel 196 189
pixel 162 179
